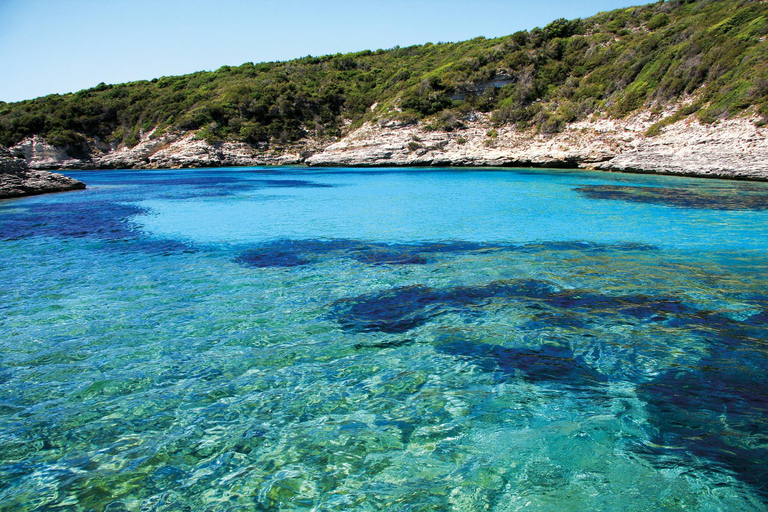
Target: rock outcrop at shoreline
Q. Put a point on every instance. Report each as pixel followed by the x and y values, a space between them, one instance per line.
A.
pixel 734 149
pixel 17 180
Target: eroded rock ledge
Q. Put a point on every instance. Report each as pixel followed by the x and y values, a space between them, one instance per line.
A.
pixel 735 149
pixel 17 180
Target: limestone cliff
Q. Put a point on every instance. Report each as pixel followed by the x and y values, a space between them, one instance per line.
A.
pixel 734 148
pixel 730 149
pixel 17 180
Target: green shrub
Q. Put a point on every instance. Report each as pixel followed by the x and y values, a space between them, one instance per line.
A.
pixel 413 146
pixel 658 21
pixel 607 64
pixel 653 130
pixel 75 144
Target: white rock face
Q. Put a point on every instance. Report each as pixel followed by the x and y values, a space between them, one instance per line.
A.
pixel 188 151
pixel 17 180
pixel 730 149
pixel 41 155
pixel 137 156
pixel 478 145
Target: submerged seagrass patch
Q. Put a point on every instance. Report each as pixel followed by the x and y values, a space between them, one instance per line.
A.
pixel 755 199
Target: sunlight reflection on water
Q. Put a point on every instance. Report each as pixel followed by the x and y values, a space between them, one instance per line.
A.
pixel 404 340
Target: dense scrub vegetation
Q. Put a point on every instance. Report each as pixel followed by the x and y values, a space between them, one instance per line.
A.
pixel 712 53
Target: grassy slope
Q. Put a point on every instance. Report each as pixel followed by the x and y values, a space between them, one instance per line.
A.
pixel 711 51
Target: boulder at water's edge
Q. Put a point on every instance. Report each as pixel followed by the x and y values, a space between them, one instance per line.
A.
pixel 17 180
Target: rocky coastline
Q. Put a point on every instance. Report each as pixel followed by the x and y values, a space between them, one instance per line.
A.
pixel 18 180
pixel 730 149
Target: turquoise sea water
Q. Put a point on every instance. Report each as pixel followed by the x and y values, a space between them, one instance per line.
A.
pixel 301 339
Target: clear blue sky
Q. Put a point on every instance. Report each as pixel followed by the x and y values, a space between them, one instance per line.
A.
pixel 59 46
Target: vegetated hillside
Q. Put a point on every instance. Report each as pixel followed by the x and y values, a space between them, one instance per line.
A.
pixel 709 54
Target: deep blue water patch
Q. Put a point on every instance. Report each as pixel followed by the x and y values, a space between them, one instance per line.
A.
pixel 231 186
pixel 387 255
pixel 722 199
pixel 717 410
pixel 293 253
pixel 273 255
pixel 104 220
pixel 291 184
pixel 290 253
pixel 204 192
pixel 401 309
pixel 546 363
pixel 205 181
pixel 218 186
pixel 758 319
pixel 185 185
pixel 392 311
pixel 389 343
pixel 580 246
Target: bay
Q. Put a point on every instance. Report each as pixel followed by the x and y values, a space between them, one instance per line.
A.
pixel 384 339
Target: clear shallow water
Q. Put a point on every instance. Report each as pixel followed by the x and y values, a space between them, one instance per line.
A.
pixel 385 339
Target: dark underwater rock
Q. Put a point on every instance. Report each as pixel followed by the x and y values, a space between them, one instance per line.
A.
pixel 737 199
pixel 392 311
pixel 90 219
pixel 400 309
pixel 547 363
pixel 717 411
pixel 106 221
pixel 292 253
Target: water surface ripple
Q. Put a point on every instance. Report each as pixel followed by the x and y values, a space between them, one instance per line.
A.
pixel 389 339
